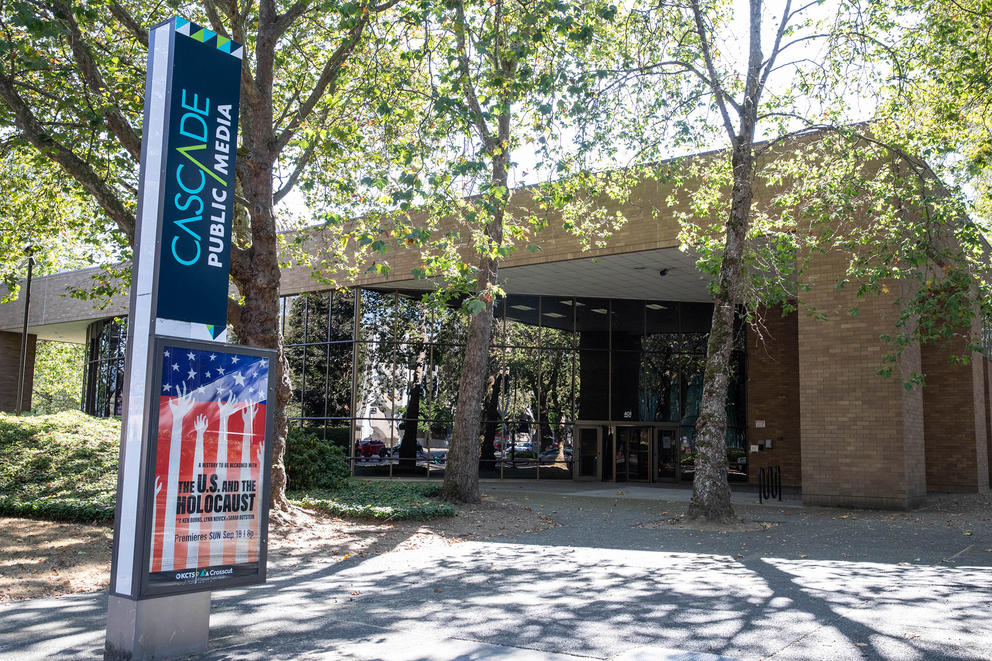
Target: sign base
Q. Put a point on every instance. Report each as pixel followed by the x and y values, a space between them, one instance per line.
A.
pixel 158 628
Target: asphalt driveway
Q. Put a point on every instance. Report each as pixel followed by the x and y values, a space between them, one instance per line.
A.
pixel 614 580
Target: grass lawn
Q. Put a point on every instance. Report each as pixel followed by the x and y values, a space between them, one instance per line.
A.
pixel 378 500
pixel 63 467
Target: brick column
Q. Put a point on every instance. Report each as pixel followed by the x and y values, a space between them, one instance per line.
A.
pixel 954 418
pixel 773 396
pixel 10 356
pixel 862 435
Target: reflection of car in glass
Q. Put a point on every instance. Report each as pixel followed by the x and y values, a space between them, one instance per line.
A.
pixel 552 455
pixel 421 453
pixel 371 447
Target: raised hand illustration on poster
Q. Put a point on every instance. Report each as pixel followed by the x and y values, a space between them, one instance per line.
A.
pixel 180 406
pixel 208 525
pixel 193 550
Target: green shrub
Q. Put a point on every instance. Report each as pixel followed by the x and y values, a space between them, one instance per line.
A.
pixel 312 462
pixel 522 454
pixel 61 466
pixel 378 500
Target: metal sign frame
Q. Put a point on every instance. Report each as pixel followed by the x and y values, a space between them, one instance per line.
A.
pixel 144 324
pixel 146 589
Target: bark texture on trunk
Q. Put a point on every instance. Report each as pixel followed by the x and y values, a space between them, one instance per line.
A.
pixel 461 475
pixel 257 274
pixel 258 321
pixel 710 488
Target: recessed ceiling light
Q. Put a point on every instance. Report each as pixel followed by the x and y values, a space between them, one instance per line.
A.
pixel 599 310
pixel 575 303
pixel 525 308
pixel 556 315
pixel 654 306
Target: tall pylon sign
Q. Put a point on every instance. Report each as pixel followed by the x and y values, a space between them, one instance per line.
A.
pixel 192 488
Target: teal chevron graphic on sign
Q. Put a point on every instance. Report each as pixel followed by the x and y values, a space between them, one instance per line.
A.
pixel 206 36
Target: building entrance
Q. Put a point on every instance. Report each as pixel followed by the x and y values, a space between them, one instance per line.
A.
pixel 614 452
pixel 666 455
pixel 588 453
pixel 632 454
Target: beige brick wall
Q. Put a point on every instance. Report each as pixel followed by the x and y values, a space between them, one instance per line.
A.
pixel 773 395
pixel 650 225
pixel 862 435
pixel 10 356
pixel 954 418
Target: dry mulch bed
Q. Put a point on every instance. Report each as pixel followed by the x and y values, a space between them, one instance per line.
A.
pixel 44 559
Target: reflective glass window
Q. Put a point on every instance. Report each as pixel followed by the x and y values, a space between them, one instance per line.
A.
pixel 375 379
pixel 376 312
pixel 557 391
pixel 342 321
pixel 592 322
pixel 445 373
pixel 557 322
pixel 523 325
pixel 660 318
pixel 522 373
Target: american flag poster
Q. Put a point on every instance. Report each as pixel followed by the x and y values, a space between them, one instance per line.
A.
pixel 209 466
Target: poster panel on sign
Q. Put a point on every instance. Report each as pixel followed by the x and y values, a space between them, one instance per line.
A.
pixel 209 458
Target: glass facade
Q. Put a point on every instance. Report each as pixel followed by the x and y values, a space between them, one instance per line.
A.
pixel 103 377
pixel 374 369
pixel 554 362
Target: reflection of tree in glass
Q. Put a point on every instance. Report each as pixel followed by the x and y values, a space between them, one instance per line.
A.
pixel 318 328
pixel 409 364
pixel 447 331
pixel 539 383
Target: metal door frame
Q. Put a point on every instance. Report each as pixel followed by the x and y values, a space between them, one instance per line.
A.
pixel 676 450
pixel 577 453
pixel 650 427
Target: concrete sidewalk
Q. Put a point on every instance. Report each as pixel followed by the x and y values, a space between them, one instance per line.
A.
pixel 610 582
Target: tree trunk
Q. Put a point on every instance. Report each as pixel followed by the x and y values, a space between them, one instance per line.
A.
pixel 461 474
pixel 258 321
pixel 710 488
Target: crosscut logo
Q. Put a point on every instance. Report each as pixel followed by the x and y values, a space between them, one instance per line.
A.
pixel 201 574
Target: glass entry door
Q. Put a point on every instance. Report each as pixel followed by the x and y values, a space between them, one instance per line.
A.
pixel 587 461
pixel 666 454
pixel 633 456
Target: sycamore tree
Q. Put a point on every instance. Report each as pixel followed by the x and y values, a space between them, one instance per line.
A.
pixel 71 81
pixel 477 86
pixel 43 212
pixel 947 100
pixel 784 93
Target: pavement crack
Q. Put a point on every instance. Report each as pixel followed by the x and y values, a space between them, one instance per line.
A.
pixel 964 550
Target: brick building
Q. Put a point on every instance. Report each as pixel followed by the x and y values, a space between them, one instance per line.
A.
pixel 596 373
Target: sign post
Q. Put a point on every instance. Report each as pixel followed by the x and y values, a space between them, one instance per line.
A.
pixel 192 486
